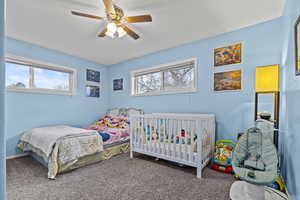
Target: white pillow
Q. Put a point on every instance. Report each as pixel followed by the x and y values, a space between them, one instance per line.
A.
pixel 113 112
pixel 134 111
pixel 125 112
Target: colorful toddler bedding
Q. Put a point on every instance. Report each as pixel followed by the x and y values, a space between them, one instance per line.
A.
pixel 113 122
pixel 112 129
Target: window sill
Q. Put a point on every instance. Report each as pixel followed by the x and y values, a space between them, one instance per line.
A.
pixel 166 93
pixel 41 91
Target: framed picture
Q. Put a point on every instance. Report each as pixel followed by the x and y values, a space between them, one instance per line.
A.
pixel 228 55
pixel 118 84
pixel 297 43
pixel 228 81
pixel 92 75
pixel 92 91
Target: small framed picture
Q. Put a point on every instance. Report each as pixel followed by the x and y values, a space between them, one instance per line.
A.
pixel 228 81
pixel 228 55
pixel 92 75
pixel 118 84
pixel 92 91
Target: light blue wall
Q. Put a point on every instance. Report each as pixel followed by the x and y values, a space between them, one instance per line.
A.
pixel 28 110
pixel 2 124
pixel 290 127
pixel 264 44
pixel 234 110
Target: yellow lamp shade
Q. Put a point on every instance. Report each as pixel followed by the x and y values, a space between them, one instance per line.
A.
pixel 267 78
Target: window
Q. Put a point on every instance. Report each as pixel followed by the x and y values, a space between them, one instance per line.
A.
pixel 24 75
pixel 179 77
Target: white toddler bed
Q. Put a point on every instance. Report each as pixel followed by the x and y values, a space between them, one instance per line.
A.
pixel 183 138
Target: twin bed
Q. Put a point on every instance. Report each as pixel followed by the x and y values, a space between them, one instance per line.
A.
pixel 182 138
pixel 64 148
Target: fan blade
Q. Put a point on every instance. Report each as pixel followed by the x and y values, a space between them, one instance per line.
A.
pixel 137 19
pixel 102 34
pixel 109 7
pixel 87 15
pixel 130 32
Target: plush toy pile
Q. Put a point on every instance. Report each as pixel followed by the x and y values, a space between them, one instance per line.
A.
pixel 113 122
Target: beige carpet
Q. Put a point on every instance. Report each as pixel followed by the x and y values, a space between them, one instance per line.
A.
pixel 119 178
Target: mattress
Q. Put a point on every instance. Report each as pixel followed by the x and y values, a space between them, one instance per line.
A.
pixel 57 163
pixel 104 155
pixel 69 154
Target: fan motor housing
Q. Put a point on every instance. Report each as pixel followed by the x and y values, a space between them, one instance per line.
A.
pixel 119 14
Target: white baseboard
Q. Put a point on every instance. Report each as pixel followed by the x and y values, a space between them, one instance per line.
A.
pixel 17 156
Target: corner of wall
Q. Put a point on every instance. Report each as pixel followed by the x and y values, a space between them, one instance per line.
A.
pixel 2 104
pixel 290 96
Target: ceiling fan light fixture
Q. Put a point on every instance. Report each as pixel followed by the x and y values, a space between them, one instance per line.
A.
pixel 110 34
pixel 112 27
pixel 115 27
pixel 121 32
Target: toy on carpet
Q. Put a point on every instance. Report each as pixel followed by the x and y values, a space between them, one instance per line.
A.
pixel 223 156
pixel 278 185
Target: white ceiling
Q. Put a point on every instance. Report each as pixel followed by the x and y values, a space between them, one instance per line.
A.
pixel 48 23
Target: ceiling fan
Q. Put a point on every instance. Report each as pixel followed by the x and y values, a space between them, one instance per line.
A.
pixel 116 19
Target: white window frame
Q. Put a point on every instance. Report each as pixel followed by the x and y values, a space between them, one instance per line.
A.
pixel 44 65
pixel 161 68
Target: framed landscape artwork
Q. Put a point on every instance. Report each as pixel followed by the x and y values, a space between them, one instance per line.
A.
pixel 92 75
pixel 118 84
pixel 228 81
pixel 228 55
pixel 297 43
pixel 92 91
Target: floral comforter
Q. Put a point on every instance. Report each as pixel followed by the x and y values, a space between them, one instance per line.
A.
pixel 112 129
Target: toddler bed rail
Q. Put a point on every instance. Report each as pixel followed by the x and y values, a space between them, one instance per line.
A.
pixel 183 138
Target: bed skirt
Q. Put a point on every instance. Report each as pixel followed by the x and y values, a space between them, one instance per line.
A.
pixel 109 151
pixel 104 155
